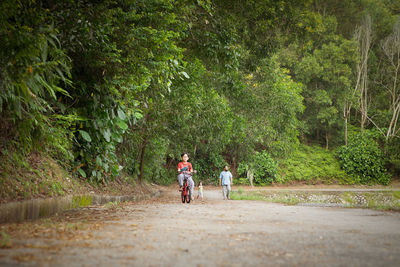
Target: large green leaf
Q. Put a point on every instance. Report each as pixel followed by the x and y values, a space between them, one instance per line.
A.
pixel 115 170
pixel 121 114
pixel 82 172
pixel 138 115
pixel 117 137
pixel 107 135
pixel 85 135
pixel 185 74
pixel 98 161
pixel 121 124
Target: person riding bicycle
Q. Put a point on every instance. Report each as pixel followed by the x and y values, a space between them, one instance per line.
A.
pixel 185 171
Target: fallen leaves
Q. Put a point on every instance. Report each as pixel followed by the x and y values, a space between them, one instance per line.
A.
pixel 25 257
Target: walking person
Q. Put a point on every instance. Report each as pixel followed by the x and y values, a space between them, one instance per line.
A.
pixel 225 179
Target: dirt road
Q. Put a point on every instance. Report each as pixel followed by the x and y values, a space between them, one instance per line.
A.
pixel 213 232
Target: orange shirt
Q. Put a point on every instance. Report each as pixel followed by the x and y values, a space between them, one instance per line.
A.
pixel 185 166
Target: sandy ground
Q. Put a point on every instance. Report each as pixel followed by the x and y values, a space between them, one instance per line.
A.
pixel 213 232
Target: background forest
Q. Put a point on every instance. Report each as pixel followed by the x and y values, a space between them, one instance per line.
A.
pixel 282 91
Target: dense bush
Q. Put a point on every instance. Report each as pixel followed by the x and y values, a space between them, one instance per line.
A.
pixel 312 164
pixel 363 158
pixel 392 154
pixel 263 166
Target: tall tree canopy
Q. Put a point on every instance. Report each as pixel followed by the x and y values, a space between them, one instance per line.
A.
pixel 126 85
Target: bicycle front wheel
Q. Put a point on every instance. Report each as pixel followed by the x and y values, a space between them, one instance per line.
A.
pixel 183 196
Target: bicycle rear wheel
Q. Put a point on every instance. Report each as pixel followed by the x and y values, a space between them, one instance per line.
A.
pixel 188 196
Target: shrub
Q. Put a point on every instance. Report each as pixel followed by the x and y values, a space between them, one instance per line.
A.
pixel 363 158
pixel 312 163
pixel 264 167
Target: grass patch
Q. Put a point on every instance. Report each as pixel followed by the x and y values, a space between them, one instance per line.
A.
pixel 258 195
pixel 381 200
pixel 396 194
pixel 81 201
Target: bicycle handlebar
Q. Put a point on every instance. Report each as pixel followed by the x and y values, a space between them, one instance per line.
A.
pixel 186 172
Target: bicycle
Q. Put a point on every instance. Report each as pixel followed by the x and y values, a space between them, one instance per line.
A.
pixel 186 195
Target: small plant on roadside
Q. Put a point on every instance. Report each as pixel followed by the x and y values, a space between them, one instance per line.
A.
pixel 5 240
pixel 57 189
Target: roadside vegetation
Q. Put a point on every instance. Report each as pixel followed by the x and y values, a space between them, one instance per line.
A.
pixel 378 200
pixel 110 92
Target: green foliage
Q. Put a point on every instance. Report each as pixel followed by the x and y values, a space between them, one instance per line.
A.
pixel 326 68
pixel 266 106
pixel 263 166
pixel 312 164
pixel 5 240
pixel 241 181
pixel 154 169
pixel 109 85
pixel 120 49
pixel 96 146
pixel 363 158
pixel 34 69
pixel 208 168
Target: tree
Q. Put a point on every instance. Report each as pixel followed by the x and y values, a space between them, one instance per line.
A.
pixel 269 105
pixel 391 49
pixel 363 35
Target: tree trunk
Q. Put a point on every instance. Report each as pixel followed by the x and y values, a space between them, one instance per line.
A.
pixel 391 131
pixel 142 153
pixel 345 130
pixel 391 48
pixel 363 36
pixel 327 140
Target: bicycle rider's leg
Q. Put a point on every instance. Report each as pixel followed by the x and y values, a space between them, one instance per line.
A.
pixel 191 186
pixel 180 179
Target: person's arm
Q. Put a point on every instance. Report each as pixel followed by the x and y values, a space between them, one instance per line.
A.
pixel 179 167
pixel 231 180
pixel 220 177
pixel 190 168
